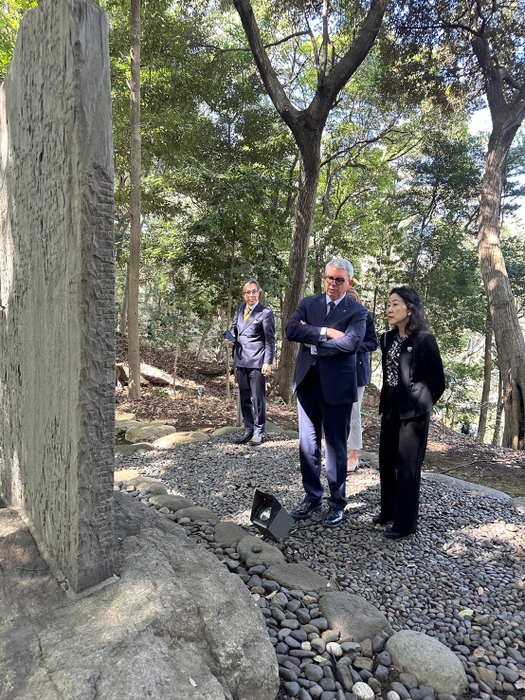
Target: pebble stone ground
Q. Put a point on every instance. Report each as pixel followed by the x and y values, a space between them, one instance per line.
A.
pixel 460 579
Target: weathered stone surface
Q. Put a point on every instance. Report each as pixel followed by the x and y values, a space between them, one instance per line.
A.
pixel 126 474
pixel 198 513
pixel 124 416
pixel 131 449
pixel 431 662
pixel 228 534
pixel 148 432
pixel 182 438
pixel 227 430
pixel 353 616
pixel 123 425
pixel 175 616
pixel 297 576
pixel 57 335
pixel 254 552
pixel 144 483
pixel 174 503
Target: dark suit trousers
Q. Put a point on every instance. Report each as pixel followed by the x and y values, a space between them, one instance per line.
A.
pixel 402 446
pixel 316 416
pixel 252 394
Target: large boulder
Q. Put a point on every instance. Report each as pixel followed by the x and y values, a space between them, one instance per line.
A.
pixel 175 625
pixel 431 662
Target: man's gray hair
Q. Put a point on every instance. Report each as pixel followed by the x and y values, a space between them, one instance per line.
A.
pixel 251 281
pixel 341 264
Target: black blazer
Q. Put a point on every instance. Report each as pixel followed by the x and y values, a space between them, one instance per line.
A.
pixel 421 378
pixel 369 344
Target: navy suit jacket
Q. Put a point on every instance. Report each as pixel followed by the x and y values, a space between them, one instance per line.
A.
pixel 369 344
pixel 335 359
pixel 255 339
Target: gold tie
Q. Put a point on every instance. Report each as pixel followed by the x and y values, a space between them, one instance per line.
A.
pixel 247 312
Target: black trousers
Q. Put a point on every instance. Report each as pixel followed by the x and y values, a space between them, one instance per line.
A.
pixel 402 446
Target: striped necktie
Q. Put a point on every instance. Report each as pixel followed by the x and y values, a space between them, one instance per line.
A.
pixel 247 312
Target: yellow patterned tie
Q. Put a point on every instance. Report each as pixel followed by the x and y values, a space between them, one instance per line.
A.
pixel 247 312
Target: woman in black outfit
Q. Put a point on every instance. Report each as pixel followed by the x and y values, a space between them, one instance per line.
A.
pixel 413 380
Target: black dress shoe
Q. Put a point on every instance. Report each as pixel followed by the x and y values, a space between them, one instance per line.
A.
pixel 256 439
pixel 379 520
pixel 334 518
pixel 393 535
pixel 244 438
pixel 306 509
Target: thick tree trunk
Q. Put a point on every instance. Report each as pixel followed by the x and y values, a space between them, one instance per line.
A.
pixel 503 311
pixel 304 214
pixel 135 208
pixel 487 376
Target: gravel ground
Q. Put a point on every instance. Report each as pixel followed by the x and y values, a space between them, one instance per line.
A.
pixel 466 556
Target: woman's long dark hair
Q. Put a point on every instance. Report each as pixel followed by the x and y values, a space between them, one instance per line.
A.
pixel 418 320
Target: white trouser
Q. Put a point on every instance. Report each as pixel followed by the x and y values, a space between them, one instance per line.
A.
pixel 355 438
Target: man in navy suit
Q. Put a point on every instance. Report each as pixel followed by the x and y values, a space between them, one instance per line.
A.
pixel 329 328
pixel 253 351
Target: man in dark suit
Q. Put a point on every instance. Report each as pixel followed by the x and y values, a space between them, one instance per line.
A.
pixel 329 328
pixel 253 351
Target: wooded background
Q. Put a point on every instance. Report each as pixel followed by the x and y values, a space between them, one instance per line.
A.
pixel 262 139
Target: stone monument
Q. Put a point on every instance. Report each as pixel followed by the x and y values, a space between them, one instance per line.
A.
pixel 57 316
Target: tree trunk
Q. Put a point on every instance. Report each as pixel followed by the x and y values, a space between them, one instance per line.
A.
pixel 487 376
pixel 122 327
pixel 135 207
pixel 499 411
pixel 304 214
pixel 503 311
pixel 307 126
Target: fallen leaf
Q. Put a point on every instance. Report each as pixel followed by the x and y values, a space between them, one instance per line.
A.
pixel 480 591
pixel 519 684
pixel 466 613
pixel 320 659
pixel 479 653
pixel 192 682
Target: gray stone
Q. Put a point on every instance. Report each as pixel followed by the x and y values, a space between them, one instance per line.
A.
pixel 431 662
pixel 344 676
pixel 296 576
pixel 122 425
pixel 148 432
pixel 228 534
pixel 363 691
pixel 313 672
pixel 400 689
pixel 174 503
pixel 145 483
pixel 131 449
pixel 353 616
pixel 408 680
pixel 197 513
pixel 57 332
pixel 267 554
pixel 508 674
pixel 183 438
pixel 118 642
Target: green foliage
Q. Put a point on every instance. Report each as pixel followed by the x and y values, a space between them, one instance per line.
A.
pixel 10 15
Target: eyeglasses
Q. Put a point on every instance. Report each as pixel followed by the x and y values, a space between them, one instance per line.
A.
pixel 338 280
pixel 251 291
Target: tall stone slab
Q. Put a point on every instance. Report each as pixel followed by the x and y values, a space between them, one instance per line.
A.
pixel 57 322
